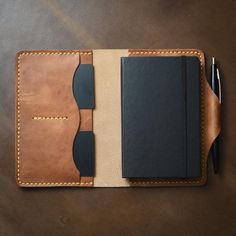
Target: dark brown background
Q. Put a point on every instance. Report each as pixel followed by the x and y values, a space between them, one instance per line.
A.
pixel 208 25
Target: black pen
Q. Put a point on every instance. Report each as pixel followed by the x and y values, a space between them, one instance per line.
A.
pixel 216 87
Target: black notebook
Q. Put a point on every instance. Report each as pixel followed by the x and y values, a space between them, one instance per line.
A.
pixel 160 117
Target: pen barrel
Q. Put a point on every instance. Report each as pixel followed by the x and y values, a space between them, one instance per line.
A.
pixel 215 155
pixel 214 80
pixel 216 89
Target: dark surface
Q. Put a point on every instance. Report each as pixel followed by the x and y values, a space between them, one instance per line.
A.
pixel 209 25
pixel 160 125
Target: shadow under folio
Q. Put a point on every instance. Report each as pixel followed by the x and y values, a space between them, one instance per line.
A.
pixel 55 189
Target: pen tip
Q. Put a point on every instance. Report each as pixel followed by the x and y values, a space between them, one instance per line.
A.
pixel 213 60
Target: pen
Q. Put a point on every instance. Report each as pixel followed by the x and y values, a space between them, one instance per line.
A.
pixel 216 87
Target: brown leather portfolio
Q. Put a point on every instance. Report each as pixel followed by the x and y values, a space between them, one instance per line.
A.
pixel 76 118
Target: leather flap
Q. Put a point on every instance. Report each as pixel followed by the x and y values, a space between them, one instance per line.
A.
pixel 47 118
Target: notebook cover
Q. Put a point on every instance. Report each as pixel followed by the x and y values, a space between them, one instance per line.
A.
pixel 160 117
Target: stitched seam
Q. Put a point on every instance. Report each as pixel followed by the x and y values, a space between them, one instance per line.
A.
pixel 47 53
pixel 54 53
pixel 40 118
pixel 86 53
pixel 203 166
pixel 56 183
pixel 18 121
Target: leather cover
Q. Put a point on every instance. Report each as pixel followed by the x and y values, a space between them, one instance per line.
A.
pixel 160 117
pixel 48 118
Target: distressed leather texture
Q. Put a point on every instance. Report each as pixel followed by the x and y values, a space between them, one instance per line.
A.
pixel 47 119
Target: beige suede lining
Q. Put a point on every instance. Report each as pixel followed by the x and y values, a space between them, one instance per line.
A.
pixel 107 118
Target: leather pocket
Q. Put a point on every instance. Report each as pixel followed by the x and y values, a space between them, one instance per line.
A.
pixel 47 119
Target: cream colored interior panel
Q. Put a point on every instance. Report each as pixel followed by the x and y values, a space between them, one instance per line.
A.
pixel 107 117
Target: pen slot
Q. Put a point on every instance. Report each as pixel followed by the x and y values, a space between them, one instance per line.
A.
pixel 212 124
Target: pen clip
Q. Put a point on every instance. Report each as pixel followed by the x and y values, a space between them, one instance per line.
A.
pixel 219 84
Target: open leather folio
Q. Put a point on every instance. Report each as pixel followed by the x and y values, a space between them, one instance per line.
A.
pixel 113 118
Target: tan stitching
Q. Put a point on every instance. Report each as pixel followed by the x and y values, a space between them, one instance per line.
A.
pixel 47 53
pixel 86 53
pixel 38 118
pixel 55 183
pixel 18 121
pixel 203 177
pixel 54 53
pixel 41 118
